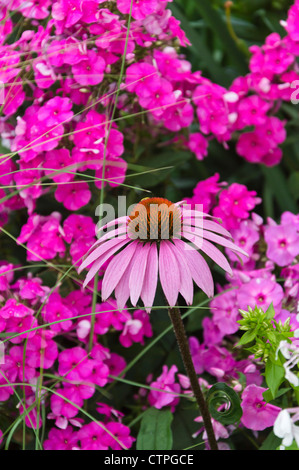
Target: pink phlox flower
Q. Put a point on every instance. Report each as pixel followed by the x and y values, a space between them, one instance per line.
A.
pixel 167 389
pixel 198 144
pixel 16 325
pixel 119 436
pixel 74 364
pixel 15 309
pixel 114 173
pixel 42 349
pixel 109 411
pixel 261 293
pixel 73 195
pixel 91 436
pixel 90 70
pixel 15 368
pixel 282 243
pixel 245 236
pixel 57 160
pixel 225 312
pixel 235 204
pixel 56 310
pixel 140 8
pixel 56 111
pixel 135 329
pixel 61 439
pixel 257 414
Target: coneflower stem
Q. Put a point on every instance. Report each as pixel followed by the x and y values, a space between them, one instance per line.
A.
pixel 180 333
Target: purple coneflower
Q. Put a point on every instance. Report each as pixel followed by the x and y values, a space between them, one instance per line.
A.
pixel 159 240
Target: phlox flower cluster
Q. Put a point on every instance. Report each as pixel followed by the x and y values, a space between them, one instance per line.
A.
pixel 39 322
pixel 60 90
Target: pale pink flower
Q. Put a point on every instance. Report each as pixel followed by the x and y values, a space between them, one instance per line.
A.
pixel 158 239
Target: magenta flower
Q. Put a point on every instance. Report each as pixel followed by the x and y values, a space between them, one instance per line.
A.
pixel 61 439
pixel 257 414
pixel 136 329
pixel 114 174
pixel 42 350
pixel 261 293
pixel 119 437
pixel 90 71
pixel 74 364
pixel 164 390
pixel 73 195
pixel 140 8
pixel 158 239
pixel 56 111
pixel 282 243
pixel 91 437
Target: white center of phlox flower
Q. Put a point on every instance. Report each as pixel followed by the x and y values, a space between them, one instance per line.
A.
pixel 95 151
pixel 231 97
pixel 133 327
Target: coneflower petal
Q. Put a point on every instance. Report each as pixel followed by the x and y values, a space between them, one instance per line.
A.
pixel 150 281
pixel 211 251
pixel 215 238
pixel 116 269
pixel 122 291
pixel 118 221
pixel 106 246
pixel 206 224
pixel 186 281
pixel 100 261
pixel 169 273
pixel 138 272
pixel 199 268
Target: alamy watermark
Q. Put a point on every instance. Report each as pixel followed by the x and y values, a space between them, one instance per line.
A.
pixel 149 220
pixel 295 94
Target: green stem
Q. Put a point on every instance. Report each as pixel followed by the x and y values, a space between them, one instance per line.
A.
pixel 182 340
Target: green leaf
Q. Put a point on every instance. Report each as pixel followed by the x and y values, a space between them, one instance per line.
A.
pixel 219 28
pixel 271 442
pixel 294 184
pixel 220 394
pixel 155 430
pixel 276 180
pixel 270 312
pixel 163 164
pixel 274 375
pixel 199 49
pixel 248 337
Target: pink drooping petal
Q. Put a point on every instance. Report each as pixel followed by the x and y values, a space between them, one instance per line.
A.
pixel 138 272
pixel 116 269
pixel 199 268
pixel 186 281
pixel 211 251
pixel 102 249
pixel 119 221
pixel 217 239
pixel 101 260
pixel 150 278
pixel 115 233
pixel 169 273
pixel 214 227
pixel 122 290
